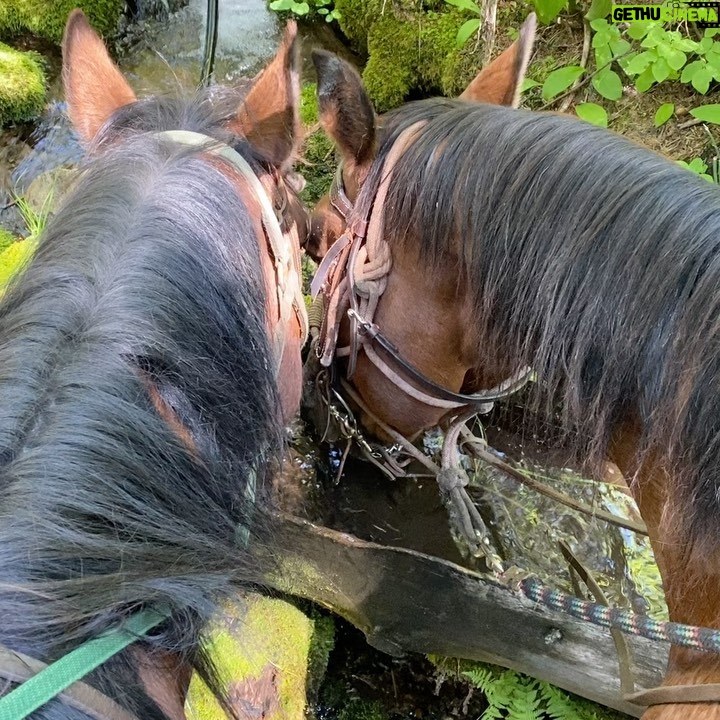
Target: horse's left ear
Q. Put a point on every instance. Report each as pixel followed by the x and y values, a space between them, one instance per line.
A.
pixel 269 117
pixel 94 86
pixel 499 83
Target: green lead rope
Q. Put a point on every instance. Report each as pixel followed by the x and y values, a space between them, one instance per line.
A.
pixel 60 675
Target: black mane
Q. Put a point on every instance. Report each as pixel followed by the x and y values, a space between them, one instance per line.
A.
pixel 586 256
pixel 149 274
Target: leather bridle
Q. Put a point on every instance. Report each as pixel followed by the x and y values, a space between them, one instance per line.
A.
pixel 338 280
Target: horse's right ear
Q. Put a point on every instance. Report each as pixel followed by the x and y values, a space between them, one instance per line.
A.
pixel 94 86
pixel 499 83
pixel 346 113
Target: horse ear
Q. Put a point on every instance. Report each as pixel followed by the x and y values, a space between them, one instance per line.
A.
pixel 499 83
pixel 94 86
pixel 346 113
pixel 269 117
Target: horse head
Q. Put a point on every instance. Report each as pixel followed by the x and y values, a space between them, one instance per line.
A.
pixel 151 350
pixel 103 108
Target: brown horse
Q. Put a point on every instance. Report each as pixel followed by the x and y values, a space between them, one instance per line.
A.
pixel 149 353
pixel 498 238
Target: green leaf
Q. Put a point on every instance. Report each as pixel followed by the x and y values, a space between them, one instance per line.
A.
pixel 690 69
pixel 548 10
pixel 645 80
pixel 301 8
pixel 637 31
pixel 528 84
pixel 560 80
pixel 697 165
pixel 707 113
pixel 701 80
pixel 705 44
pixel 711 32
pixel 664 113
pixel 607 83
pixel 603 55
pixel 592 113
pixel 599 9
pixel 322 11
pixel 619 47
pixel 281 5
pixel 660 70
pixel 465 5
pixel 675 58
pixel 467 29
pixel 639 63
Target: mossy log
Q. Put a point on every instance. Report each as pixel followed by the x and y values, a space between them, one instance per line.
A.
pixel 404 600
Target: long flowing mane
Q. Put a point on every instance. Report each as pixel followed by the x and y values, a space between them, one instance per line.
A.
pixel 586 256
pixel 147 280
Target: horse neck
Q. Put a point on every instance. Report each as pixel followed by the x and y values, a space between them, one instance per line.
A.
pixel 419 314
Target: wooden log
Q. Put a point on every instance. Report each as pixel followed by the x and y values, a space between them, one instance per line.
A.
pixel 407 601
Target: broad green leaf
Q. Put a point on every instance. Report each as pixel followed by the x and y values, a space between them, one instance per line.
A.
pixel 660 70
pixel 599 24
pixel 592 113
pixel 639 63
pixel 711 32
pixel 322 11
pixel 528 84
pixel 608 84
pixel 281 4
pixel 698 165
pixel 560 80
pixel 619 47
pixel 465 5
pixel 690 69
pixel 548 10
pixel 467 29
pixel 603 55
pixel 685 44
pixel 637 31
pixel 675 58
pixel 701 80
pixel 599 9
pixel 705 44
pixel 707 113
pixel 301 8
pixel 645 80
pixel 664 113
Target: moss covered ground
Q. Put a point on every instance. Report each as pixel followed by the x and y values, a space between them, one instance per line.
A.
pixel 22 85
pixel 46 18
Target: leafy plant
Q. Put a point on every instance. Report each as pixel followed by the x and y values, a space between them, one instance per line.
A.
pixel 548 10
pixel 469 27
pixel 699 167
pixel 301 9
pixel 513 695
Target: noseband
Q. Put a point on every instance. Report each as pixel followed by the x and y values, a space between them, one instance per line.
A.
pixel 352 276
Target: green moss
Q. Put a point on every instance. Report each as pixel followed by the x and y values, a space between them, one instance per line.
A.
pixel 410 47
pixel 46 18
pixel 308 104
pixel 319 167
pixel 22 85
pixel 6 238
pixel 251 639
pixel 13 259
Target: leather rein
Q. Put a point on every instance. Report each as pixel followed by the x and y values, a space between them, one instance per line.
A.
pixel 353 275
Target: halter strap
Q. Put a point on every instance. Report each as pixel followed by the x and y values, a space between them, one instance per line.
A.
pixel 41 682
pixel 290 297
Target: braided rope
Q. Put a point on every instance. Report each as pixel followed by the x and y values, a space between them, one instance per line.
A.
pixel 698 638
